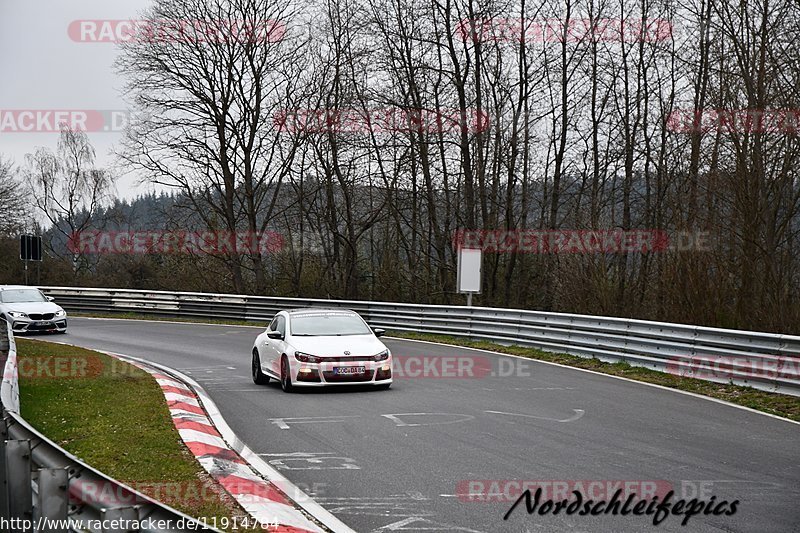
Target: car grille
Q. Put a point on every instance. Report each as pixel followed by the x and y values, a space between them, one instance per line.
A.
pixel 46 327
pixel 348 359
pixel 330 377
pixel 41 316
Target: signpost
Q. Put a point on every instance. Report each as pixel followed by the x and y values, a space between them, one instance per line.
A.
pixel 468 278
pixel 30 249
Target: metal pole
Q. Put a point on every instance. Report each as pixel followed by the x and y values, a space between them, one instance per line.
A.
pixel 3 473
pixel 20 490
pixel 119 517
pixel 469 299
pixel 53 497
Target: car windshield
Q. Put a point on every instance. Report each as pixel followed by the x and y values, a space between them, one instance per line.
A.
pixel 10 296
pixel 321 324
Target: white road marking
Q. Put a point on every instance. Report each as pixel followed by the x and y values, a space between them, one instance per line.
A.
pixel 401 423
pixel 429 525
pixel 578 414
pixel 316 463
pixel 283 423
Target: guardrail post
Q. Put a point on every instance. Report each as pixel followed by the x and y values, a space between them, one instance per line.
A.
pixel 53 497
pixel 125 518
pixel 3 476
pixel 18 472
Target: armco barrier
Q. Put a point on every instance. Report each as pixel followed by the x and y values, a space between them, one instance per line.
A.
pixel 45 488
pixel 765 361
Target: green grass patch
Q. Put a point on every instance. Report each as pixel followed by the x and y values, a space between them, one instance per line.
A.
pixel 113 416
pixel 770 402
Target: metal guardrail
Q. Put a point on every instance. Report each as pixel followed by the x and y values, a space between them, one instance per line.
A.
pixel 45 488
pixel 765 361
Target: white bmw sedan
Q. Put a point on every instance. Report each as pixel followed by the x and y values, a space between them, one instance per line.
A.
pixel 316 347
pixel 28 310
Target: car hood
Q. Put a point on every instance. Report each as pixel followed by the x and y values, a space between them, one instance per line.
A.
pixel 325 346
pixel 31 307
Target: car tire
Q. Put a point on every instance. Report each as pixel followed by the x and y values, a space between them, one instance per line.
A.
pixel 286 375
pixel 259 378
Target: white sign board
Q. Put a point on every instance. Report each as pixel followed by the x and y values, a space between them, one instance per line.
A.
pixel 468 278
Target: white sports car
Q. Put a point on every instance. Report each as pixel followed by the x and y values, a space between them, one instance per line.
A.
pixel 28 310
pixel 314 347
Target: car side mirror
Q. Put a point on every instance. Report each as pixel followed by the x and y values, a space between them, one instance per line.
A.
pixel 275 335
pixel 50 298
pixel 378 332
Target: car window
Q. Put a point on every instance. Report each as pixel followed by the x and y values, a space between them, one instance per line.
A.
pixel 315 324
pixel 273 324
pixel 281 326
pixel 10 296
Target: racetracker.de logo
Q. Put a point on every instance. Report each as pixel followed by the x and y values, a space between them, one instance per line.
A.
pixel 176 31
pixel 77 366
pixel 457 367
pixel 554 30
pixel 783 121
pixel 174 242
pixel 53 120
pixel 732 367
pixel 576 241
pixel 170 492
pixel 381 120
pixel 509 490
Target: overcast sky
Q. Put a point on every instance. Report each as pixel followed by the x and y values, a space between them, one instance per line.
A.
pixel 45 67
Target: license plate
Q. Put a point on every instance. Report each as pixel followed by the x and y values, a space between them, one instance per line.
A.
pixel 42 323
pixel 349 369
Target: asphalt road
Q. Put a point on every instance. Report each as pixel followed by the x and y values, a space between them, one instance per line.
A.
pixel 403 459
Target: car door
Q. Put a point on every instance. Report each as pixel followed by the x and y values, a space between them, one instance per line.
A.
pixel 267 346
pixel 274 348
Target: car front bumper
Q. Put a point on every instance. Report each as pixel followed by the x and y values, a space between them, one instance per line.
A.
pixel 28 325
pixel 323 374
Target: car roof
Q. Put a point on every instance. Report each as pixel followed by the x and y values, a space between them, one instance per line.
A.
pixel 7 287
pixel 302 310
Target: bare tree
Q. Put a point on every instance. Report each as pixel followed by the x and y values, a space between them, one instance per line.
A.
pixel 207 99
pixel 13 202
pixel 67 188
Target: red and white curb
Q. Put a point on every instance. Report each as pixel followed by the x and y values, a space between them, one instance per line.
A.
pixel 262 499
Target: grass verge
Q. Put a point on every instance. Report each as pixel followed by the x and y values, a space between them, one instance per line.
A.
pixel 97 408
pixel 769 402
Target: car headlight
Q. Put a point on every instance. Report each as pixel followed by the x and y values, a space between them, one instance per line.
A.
pixel 17 314
pixel 60 313
pixel 383 356
pixel 306 358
